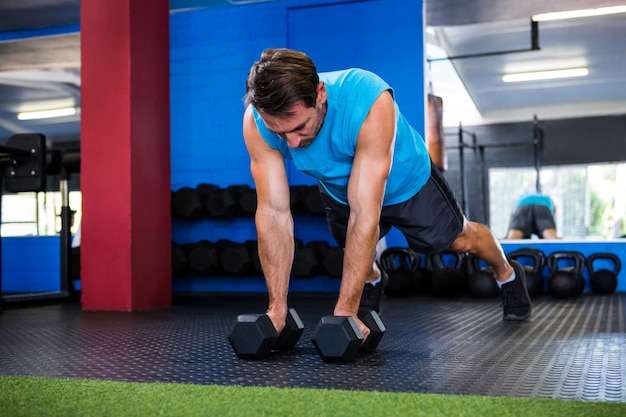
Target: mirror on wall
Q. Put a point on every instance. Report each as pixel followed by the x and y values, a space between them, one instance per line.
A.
pixel 590 199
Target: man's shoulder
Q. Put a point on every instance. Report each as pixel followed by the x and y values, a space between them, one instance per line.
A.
pixel 339 83
pixel 348 74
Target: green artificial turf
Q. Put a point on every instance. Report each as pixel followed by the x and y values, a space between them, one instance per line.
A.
pixel 26 396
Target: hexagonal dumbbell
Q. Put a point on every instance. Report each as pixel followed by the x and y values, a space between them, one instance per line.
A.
pixel 305 262
pixel 202 258
pixel 247 201
pixel 338 338
pixel 377 329
pixel 253 336
pixel 186 204
pixel 253 251
pixel 222 202
pixel 234 258
pixel 332 263
pixel 179 260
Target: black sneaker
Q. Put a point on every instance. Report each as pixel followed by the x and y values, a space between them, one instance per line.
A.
pixel 515 299
pixel 370 298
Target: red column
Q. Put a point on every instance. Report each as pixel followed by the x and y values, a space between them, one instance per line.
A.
pixel 125 158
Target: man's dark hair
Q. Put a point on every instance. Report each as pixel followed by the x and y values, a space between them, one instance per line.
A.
pixel 279 79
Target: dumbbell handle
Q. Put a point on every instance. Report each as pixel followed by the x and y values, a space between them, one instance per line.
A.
pixel 289 336
pixel 377 330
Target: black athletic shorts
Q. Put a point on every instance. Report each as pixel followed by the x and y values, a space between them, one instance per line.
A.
pixel 532 219
pixel 430 220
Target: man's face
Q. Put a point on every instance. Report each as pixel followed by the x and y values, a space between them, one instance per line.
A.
pixel 301 127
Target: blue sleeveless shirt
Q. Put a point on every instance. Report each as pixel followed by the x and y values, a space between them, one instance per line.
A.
pixel 537 199
pixel 351 94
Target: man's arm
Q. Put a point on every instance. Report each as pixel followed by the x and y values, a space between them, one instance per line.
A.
pixel 274 222
pixel 366 189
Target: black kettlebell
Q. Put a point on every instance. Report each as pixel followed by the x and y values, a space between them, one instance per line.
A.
pixel 566 282
pixel 534 270
pixel 402 267
pixel 480 281
pixel 603 281
pixel 447 277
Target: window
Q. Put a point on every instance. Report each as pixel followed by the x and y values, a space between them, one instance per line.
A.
pixel 37 214
pixel 590 200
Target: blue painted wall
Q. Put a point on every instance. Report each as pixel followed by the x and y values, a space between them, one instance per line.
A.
pixel 211 53
pixel 31 264
pixel 212 50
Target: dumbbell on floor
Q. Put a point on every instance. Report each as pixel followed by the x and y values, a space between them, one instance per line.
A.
pixel 338 338
pixel 253 336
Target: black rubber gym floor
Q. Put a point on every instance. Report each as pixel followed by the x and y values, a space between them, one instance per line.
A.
pixel 572 349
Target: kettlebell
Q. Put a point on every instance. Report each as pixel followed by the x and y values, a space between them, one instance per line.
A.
pixel 402 267
pixel 603 281
pixel 532 271
pixel 566 282
pixel 447 278
pixel 480 281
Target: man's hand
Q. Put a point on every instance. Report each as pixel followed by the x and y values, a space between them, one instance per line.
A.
pixel 362 327
pixel 278 315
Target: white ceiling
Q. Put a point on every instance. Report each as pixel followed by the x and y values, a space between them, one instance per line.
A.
pixel 594 42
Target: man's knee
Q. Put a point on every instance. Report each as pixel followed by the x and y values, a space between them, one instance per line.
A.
pixel 549 234
pixel 515 234
pixel 472 237
pixel 464 241
pixel 459 245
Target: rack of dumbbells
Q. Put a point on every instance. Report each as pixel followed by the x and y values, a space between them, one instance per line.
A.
pixel 226 257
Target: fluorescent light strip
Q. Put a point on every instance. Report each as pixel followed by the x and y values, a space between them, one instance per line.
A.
pixel 545 75
pixel 601 11
pixel 45 114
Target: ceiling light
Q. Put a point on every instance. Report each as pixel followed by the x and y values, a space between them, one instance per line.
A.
pixel 44 114
pixel 545 75
pixel 601 11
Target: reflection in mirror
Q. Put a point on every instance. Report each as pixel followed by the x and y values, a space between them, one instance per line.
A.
pixel 590 200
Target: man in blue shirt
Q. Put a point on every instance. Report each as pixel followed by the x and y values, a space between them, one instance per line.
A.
pixel 345 129
pixel 533 214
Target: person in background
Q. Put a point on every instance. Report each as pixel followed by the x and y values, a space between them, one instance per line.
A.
pixel 533 215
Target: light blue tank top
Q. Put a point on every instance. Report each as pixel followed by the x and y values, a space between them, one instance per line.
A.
pixel 351 94
pixel 537 199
